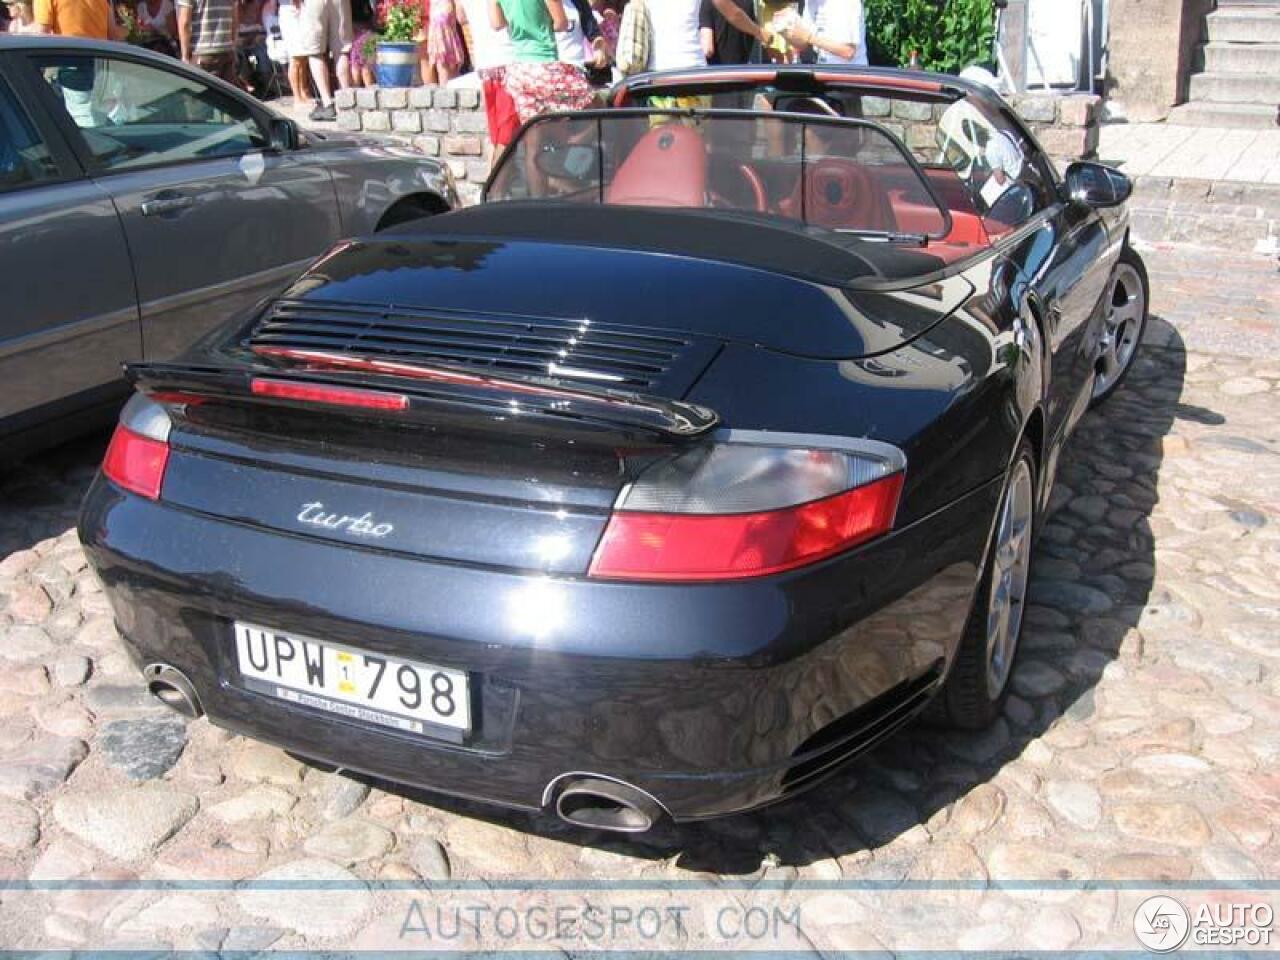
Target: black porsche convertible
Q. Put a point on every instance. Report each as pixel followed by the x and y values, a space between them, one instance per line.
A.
pixel 704 454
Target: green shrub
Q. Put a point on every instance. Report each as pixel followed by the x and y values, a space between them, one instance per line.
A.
pixel 949 34
pixel 401 20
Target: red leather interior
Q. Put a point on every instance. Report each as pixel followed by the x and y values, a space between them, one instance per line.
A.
pixel 913 216
pixel 666 168
pixel 918 216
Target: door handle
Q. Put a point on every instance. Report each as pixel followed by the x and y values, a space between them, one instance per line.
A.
pixel 160 205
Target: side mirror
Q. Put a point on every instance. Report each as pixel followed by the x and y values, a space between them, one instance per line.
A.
pixel 1097 185
pixel 284 134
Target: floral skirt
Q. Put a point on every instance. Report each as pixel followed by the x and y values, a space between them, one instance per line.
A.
pixel 538 88
pixel 444 45
pixel 358 61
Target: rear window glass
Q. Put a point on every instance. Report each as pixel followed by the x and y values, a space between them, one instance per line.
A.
pixel 829 172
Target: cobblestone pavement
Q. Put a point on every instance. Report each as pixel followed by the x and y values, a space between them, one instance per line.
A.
pixel 1141 743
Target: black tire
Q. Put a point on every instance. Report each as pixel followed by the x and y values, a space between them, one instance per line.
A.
pixel 966 700
pixel 1129 261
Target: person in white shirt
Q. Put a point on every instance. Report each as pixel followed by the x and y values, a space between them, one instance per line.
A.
pixel 674 39
pixel 491 54
pixel 675 31
pixel 835 29
pixel 579 45
pixel 490 48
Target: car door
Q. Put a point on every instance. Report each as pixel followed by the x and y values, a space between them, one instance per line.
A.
pixel 1070 280
pixel 70 315
pixel 215 217
pixel 1062 250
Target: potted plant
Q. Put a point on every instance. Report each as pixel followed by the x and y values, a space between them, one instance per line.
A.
pixel 397 54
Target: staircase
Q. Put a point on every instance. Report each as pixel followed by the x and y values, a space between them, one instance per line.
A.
pixel 1238 84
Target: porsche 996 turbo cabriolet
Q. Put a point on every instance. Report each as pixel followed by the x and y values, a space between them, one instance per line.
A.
pixel 702 455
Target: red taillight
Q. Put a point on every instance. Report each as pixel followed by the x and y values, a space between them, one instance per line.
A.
pixel 136 462
pixel 675 546
pixel 334 396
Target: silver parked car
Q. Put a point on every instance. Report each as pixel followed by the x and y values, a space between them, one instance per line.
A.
pixel 142 202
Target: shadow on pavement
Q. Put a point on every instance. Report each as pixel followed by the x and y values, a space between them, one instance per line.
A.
pixel 1092 575
pixel 41 496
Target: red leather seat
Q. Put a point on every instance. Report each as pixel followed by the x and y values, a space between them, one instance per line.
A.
pixel 666 168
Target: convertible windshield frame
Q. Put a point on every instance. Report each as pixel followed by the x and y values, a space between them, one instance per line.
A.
pixel 532 131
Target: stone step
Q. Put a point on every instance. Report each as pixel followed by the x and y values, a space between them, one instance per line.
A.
pixel 1236 88
pixel 1242 58
pixel 1244 217
pixel 1236 116
pixel 1244 25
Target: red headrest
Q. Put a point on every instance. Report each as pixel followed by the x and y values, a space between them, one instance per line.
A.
pixel 666 168
pixel 840 194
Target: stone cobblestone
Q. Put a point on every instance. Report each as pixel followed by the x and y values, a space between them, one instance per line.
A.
pixel 1142 743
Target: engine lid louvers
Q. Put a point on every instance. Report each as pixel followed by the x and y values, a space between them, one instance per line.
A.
pixel 574 351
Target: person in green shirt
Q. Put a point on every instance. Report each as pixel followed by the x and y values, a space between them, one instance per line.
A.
pixel 531 25
pixel 537 82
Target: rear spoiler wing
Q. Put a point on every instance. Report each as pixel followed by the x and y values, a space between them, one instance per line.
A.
pixel 435 394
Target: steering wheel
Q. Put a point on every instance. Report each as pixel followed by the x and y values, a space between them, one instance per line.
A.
pixel 760 198
pixel 757 187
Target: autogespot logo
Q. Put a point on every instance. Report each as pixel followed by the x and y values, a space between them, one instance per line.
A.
pixel 1161 924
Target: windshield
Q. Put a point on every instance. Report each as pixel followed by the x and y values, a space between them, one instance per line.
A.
pixel 844 175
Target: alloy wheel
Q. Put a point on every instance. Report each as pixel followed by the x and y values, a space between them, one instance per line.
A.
pixel 1126 306
pixel 1010 565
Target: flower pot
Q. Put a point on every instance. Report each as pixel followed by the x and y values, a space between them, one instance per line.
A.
pixel 397 64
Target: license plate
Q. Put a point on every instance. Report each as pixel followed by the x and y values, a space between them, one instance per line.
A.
pixel 353 683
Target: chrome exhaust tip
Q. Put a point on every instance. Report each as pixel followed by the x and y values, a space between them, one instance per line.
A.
pixel 171 687
pixel 601 804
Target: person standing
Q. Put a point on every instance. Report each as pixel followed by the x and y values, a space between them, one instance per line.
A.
pixel 94 20
pixel 289 16
pixel 158 17
pixel 253 63
pixel 207 36
pixel 836 30
pixel 722 42
pixel 675 41
pixel 491 51
pixel 582 45
pixel 674 38
pixel 324 26
pixel 77 18
pixel 442 51
pixel 536 79
pixel 21 17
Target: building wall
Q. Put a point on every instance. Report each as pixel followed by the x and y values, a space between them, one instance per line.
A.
pixel 1152 45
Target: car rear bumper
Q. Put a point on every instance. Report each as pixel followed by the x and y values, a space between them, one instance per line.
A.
pixel 712 698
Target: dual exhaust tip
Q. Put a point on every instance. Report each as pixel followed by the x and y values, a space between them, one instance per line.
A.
pixel 583 800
